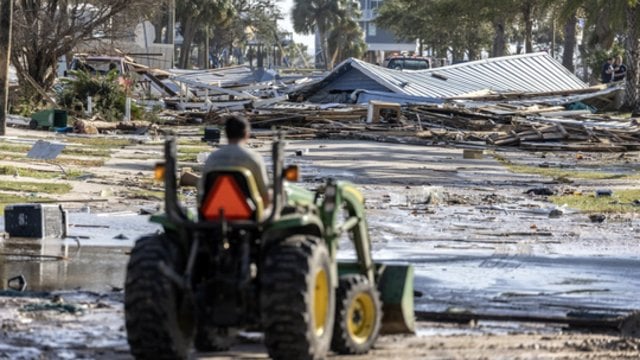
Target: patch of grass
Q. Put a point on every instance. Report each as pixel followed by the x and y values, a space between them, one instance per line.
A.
pixel 188 157
pixel 140 157
pixel 563 173
pixel 39 174
pixel 78 162
pixel 620 202
pixel 12 156
pixel 23 149
pixel 86 152
pixel 190 142
pixel 10 199
pixel 4 146
pixel 193 150
pixel 557 173
pixel 101 142
pixel 48 188
pixel 58 161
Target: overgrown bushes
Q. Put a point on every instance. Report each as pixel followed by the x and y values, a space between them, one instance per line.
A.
pixel 107 93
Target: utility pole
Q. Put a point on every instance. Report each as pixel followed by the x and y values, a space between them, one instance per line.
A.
pixel 171 30
pixel 6 20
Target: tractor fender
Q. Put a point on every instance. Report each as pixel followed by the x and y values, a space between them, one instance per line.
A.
pixel 294 224
pixel 163 220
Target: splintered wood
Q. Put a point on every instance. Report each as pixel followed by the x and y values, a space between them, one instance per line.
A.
pixel 532 126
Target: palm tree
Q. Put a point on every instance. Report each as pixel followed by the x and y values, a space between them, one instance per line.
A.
pixel 346 40
pixel 200 15
pixel 311 16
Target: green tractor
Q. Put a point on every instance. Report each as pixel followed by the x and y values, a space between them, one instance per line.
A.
pixel 228 267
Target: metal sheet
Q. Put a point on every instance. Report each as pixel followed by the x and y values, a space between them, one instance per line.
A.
pixel 44 150
pixel 529 73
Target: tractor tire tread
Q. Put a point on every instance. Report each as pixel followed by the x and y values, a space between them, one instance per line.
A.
pixel 348 286
pixel 284 303
pixel 150 297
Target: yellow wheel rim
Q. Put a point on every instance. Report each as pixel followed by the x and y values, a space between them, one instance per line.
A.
pixel 321 302
pixel 361 318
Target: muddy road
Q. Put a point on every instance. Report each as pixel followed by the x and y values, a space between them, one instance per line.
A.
pixel 479 239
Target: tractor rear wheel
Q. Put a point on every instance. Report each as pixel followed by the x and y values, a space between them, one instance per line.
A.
pixel 298 299
pixel 159 318
pixel 358 316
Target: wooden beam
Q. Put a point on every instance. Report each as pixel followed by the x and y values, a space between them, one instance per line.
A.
pixel 6 19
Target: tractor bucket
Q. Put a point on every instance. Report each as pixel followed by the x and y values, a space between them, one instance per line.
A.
pixel 395 284
pixel 396 290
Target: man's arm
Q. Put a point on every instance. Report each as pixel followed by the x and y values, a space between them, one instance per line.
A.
pixel 263 184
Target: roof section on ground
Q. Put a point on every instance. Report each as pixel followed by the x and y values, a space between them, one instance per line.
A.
pixel 529 73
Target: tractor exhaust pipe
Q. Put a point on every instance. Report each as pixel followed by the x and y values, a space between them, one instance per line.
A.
pixel 174 211
pixel 277 155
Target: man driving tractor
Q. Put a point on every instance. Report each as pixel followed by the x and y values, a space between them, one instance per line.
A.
pixel 224 267
pixel 238 131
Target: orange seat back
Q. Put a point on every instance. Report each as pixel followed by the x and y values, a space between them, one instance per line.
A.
pixel 228 193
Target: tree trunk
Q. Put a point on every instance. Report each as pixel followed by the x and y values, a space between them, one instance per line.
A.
pixel 456 56
pixel 632 96
pixel 188 35
pixel 207 50
pixel 498 48
pixel 6 24
pixel 527 14
pixel 569 42
pixel 324 46
pixel 159 22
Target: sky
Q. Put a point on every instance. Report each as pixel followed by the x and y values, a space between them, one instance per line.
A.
pixel 286 6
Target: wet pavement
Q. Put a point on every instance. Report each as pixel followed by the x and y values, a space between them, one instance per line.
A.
pixel 93 258
pixel 477 242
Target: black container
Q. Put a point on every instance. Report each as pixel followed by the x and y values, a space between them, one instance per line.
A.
pixel 35 221
pixel 211 135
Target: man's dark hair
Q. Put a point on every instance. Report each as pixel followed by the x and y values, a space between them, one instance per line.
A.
pixel 236 127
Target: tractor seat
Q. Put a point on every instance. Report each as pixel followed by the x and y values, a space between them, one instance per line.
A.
pixel 231 192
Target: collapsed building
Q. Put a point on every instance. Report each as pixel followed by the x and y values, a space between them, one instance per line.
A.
pixel 357 81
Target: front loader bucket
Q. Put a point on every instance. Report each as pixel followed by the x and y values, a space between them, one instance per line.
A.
pixel 395 283
pixel 396 290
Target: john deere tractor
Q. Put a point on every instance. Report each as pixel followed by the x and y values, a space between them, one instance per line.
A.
pixel 230 267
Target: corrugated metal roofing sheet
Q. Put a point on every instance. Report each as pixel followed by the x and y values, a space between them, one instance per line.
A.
pixel 529 73
pixel 224 77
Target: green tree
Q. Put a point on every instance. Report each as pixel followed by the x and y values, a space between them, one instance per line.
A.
pixel 321 16
pixel 197 16
pixel 44 31
pixel 446 26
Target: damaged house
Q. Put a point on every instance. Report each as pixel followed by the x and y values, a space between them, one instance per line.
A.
pixel 355 81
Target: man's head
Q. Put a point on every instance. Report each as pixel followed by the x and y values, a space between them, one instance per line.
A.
pixel 610 60
pixel 237 129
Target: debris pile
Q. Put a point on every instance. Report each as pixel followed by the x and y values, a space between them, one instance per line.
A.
pixel 537 104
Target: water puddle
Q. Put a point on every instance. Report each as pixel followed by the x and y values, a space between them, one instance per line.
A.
pixel 93 258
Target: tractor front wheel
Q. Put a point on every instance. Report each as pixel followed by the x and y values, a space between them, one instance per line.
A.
pixel 158 316
pixel 298 299
pixel 358 316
